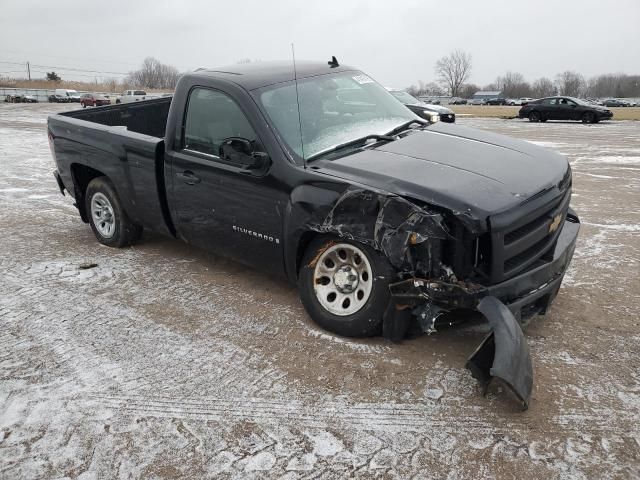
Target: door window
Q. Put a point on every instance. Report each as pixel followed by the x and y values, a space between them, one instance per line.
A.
pixel 213 117
pixel 549 101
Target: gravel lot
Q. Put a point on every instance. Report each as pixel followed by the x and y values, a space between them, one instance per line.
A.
pixel 167 362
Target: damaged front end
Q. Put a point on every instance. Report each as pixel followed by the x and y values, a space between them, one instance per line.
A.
pixel 504 352
pixel 445 261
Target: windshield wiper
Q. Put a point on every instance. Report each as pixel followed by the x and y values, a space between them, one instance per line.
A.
pixel 405 126
pixel 352 143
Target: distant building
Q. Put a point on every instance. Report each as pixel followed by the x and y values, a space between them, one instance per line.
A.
pixel 487 95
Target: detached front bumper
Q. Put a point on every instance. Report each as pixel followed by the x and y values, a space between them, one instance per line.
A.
pixel 526 295
pixel 507 306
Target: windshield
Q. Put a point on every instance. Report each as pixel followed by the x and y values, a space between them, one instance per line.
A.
pixel 334 109
pixel 405 97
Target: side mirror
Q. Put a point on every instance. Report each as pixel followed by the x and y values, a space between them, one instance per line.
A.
pixel 242 152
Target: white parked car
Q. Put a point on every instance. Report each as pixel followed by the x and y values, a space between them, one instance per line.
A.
pixel 518 101
pixel 129 96
pixel 72 95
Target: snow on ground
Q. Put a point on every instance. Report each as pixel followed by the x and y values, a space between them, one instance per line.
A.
pixel 167 362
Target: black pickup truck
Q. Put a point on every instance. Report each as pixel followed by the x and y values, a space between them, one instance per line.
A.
pixel 379 217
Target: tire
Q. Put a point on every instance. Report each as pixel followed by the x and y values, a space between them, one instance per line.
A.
pixel 84 105
pixel 588 117
pixel 543 120
pixel 535 116
pixel 363 317
pixel 102 201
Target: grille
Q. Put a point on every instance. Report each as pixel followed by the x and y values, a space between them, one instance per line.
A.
pixel 520 239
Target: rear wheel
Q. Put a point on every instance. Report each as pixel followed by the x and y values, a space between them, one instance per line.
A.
pixel 109 222
pixel 588 117
pixel 535 116
pixel 343 286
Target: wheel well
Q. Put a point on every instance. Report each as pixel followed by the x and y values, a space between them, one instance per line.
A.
pixel 82 175
pixel 305 239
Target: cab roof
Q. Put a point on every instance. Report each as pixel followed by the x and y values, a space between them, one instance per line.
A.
pixel 260 74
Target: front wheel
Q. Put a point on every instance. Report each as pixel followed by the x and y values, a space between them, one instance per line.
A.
pixel 343 286
pixel 110 223
pixel 588 117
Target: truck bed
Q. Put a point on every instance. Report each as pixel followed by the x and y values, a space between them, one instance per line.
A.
pixel 125 142
pixel 148 117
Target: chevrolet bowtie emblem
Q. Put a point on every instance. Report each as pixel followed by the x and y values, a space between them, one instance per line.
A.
pixel 555 223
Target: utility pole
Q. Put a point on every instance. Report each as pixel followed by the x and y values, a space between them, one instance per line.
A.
pixel 29 71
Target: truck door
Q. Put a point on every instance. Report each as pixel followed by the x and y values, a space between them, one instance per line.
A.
pixel 218 204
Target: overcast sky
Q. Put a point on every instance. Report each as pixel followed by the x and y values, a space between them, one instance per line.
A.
pixel 396 42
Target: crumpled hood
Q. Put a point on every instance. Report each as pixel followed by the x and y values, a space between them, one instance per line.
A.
pixel 469 171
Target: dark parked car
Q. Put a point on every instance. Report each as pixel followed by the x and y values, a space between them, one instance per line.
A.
pixel 458 101
pixel 378 216
pixel 92 100
pixel 29 99
pixel 424 110
pixel 14 98
pixel 497 101
pixel 59 99
pixel 564 108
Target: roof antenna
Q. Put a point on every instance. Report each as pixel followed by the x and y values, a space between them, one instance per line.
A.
pixel 295 78
pixel 333 63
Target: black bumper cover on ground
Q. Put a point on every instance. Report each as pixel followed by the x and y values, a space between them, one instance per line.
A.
pixel 507 306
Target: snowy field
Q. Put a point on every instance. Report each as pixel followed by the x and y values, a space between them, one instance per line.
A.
pixel 166 362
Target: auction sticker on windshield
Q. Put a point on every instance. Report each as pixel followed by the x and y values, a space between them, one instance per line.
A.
pixel 362 79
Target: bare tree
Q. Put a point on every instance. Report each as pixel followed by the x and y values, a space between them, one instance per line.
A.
pixel 430 89
pixel 513 85
pixel 467 90
pixel 154 74
pixel 453 70
pixel 570 83
pixel 614 85
pixel 543 87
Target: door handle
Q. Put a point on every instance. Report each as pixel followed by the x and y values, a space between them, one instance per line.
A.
pixel 188 177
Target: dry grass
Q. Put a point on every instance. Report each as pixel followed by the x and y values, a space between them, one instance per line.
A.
pixel 619 113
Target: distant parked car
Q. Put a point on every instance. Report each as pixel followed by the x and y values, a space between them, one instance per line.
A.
pixel 92 100
pixel 14 98
pixel 563 108
pixel 57 98
pixel 129 96
pixel 458 101
pixel 427 111
pixel 29 99
pixel 612 102
pixel 478 101
pixel 72 95
pixel 497 101
pixel 519 101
